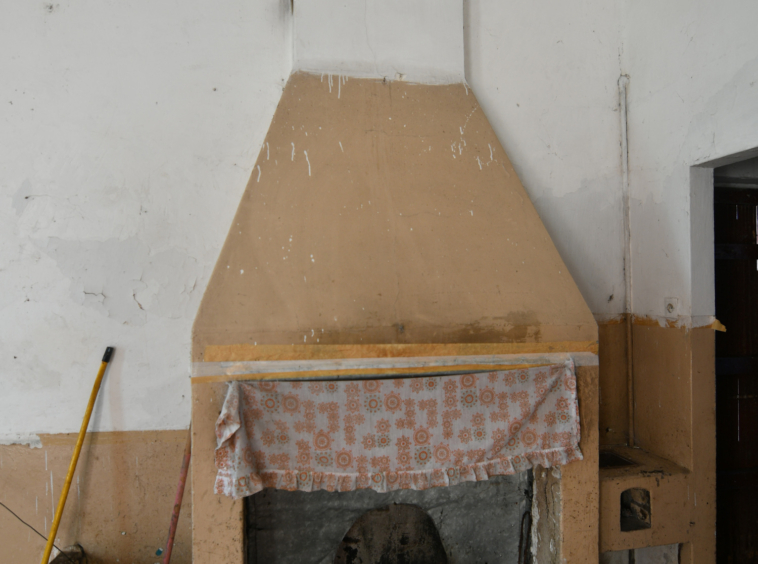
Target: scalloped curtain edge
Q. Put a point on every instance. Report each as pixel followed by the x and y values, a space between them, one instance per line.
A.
pixel 383 481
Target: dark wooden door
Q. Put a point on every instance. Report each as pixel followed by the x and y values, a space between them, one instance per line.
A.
pixel 737 374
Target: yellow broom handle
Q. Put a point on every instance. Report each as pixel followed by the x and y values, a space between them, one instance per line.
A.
pixel 75 457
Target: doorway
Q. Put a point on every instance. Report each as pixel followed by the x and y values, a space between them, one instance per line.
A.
pixel 735 205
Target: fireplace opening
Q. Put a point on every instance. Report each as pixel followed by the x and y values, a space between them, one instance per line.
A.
pixel 474 522
pixel 393 534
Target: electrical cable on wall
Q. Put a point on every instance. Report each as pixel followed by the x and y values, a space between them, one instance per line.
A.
pixel 36 531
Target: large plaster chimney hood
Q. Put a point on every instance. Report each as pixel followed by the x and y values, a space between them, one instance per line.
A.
pixel 382 210
pixel 386 212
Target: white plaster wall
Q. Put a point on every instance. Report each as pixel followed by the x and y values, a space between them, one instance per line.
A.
pixel 415 40
pixel 546 74
pixel 693 98
pixel 128 132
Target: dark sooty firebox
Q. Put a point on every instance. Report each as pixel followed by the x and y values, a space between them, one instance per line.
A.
pixel 470 522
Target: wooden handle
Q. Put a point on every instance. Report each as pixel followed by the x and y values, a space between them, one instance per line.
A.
pixel 75 457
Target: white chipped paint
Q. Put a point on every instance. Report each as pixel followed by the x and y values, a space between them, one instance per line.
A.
pixel 32 441
pixel 292 158
pixel 259 173
pixel 308 161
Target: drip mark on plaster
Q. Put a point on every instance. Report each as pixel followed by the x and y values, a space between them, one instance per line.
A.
pixel 52 495
pixel 466 87
pixel 267 151
pixel 259 173
pixel 293 152
pixel 490 146
pixel 46 461
pixel 341 149
pixel 309 162
pixel 480 163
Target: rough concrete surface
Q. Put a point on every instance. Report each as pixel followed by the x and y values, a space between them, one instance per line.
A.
pixel 664 554
pixel 477 521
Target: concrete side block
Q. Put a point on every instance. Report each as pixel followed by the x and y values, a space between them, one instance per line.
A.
pixel 615 557
pixel 665 554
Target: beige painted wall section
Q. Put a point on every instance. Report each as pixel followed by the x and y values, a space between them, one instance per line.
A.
pixel 382 212
pixel 119 505
pixel 663 392
pixel 614 396
pixel 580 487
pixel 675 425
pixel 217 520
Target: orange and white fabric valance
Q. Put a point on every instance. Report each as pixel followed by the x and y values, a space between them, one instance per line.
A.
pixel 388 434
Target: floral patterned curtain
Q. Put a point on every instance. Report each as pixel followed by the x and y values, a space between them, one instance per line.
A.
pixel 388 434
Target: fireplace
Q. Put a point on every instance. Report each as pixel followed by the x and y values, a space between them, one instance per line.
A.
pixel 385 232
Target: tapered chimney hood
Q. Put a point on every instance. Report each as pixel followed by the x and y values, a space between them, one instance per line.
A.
pixel 385 211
